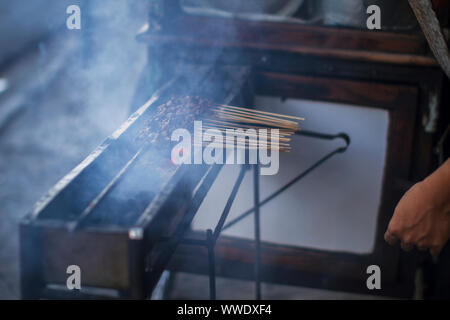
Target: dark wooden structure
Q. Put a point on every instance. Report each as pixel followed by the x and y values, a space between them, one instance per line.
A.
pixel 386 70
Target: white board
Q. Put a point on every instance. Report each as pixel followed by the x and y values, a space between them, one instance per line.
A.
pixel 333 208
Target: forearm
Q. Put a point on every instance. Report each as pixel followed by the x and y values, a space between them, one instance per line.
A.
pixel 438 187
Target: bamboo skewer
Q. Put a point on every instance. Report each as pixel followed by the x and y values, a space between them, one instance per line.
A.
pixel 268 123
pixel 256 121
pixel 236 130
pixel 240 135
pixel 242 146
pixel 282 132
pixel 268 137
pixel 253 141
pixel 258 117
pixel 223 114
pixel 232 125
pixel 264 112
pixel 246 147
pixel 237 118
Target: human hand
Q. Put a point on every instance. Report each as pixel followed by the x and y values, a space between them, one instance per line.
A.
pixel 422 217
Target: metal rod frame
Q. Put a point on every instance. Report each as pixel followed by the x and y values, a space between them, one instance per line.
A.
pixel 257 227
pixel 212 237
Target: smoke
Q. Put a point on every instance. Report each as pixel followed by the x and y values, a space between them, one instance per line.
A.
pixel 109 61
pixel 67 93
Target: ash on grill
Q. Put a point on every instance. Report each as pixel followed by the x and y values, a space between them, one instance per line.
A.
pixel 127 200
pixel 178 112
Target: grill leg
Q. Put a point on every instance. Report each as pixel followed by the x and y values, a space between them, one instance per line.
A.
pixel 257 232
pixel 212 264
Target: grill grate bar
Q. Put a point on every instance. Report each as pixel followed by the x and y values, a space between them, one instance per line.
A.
pixel 81 220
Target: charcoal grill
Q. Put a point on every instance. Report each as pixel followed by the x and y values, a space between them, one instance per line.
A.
pixel 96 218
pixel 124 237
